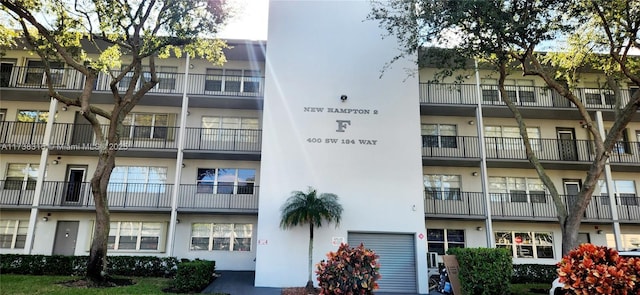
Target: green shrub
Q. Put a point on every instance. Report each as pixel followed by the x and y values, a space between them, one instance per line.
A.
pixel 349 271
pixel 483 271
pixel 141 266
pixel 533 273
pixel 194 276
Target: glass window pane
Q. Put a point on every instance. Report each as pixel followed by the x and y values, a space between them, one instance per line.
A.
pixel 435 235
pixel 448 130
pixel 429 129
pixel 455 235
pixel 210 122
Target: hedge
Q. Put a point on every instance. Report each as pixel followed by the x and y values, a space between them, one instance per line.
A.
pixel 141 266
pixel 534 273
pixel 483 271
pixel 193 276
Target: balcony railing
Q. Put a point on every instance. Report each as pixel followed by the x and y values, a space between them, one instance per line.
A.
pixel 518 205
pixel 513 149
pixel 527 96
pixel 129 195
pixel 216 139
pixel 170 83
pixel 194 196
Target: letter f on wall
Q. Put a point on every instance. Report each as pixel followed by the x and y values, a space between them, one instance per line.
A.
pixel 342 125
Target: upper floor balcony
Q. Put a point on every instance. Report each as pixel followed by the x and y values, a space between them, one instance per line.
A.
pixel 439 97
pixel 523 206
pixel 68 138
pixel 61 195
pixel 240 89
pixel 510 152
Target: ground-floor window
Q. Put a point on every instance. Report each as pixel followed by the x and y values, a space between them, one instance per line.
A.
pixel 221 236
pixel 13 233
pixel 441 240
pixel 526 244
pixel 134 235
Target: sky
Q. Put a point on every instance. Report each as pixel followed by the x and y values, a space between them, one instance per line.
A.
pixel 249 22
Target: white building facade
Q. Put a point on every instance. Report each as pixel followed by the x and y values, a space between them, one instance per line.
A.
pixel 310 109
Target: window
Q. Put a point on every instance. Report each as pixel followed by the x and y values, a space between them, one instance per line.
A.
pixel 35 74
pixel 520 91
pixel 31 122
pixel 526 244
pixel 623 146
pixel 439 135
pixel 630 242
pixel 134 235
pixel 441 240
pixel 508 138
pixel 442 187
pixel 167 77
pixel 517 189
pixel 624 190
pixel 21 176
pixel 221 237
pixel 13 233
pixel 490 90
pixel 3 114
pixel 138 179
pixel 232 80
pixel 226 180
pixel 230 130
pixel 149 126
pixel 594 94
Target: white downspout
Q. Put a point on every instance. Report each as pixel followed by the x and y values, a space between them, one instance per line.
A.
pixel 610 189
pixel 483 162
pixel 44 155
pixel 180 157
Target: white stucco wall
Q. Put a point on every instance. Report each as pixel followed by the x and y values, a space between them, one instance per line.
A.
pixel 318 51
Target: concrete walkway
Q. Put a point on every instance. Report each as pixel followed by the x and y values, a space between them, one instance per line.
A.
pixel 241 283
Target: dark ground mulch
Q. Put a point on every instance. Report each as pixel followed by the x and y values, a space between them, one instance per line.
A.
pixel 110 282
pixel 299 291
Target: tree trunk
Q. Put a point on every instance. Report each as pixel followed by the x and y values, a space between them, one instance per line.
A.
pixel 96 266
pixel 309 286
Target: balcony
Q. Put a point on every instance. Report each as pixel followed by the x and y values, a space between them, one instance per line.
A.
pixel 129 196
pixel 471 205
pixel 79 139
pixel 173 84
pixel 500 149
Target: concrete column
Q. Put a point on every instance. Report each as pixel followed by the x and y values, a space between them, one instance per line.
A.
pixel 483 162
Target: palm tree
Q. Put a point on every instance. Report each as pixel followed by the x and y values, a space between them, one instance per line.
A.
pixel 309 208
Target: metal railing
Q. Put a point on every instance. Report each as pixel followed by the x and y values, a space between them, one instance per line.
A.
pixel 245 140
pixel 130 195
pixel 513 149
pixel 231 197
pixel 527 96
pixel 170 83
pixel 518 205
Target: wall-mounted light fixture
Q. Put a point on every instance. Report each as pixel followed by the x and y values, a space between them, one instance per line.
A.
pixel 343 97
pixel 472 122
pixel 191 66
pixel 177 220
pixel 474 173
pixel 599 231
pixel 413 208
pixel 45 219
pixel 183 165
pixel 55 162
pixel 479 228
pixel 583 124
pixel 64 108
pixel 188 113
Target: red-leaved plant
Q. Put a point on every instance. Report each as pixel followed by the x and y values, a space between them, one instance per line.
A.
pixel 349 271
pixel 591 269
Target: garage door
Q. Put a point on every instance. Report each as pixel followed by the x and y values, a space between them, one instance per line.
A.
pixel 397 259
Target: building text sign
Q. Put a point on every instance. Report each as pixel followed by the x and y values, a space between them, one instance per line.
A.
pixel 342 125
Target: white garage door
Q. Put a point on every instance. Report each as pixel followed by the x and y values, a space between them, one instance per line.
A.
pixel 397 259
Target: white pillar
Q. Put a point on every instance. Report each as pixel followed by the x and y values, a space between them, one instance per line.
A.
pixel 33 218
pixel 483 161
pixel 179 158
pixel 610 188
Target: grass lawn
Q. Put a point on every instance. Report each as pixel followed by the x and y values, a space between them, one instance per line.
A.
pixel 24 284
pixel 530 289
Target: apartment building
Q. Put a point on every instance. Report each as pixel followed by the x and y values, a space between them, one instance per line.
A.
pixel 404 155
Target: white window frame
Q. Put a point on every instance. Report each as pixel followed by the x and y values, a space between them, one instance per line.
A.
pixel 451 192
pixel 117 231
pixel 512 143
pixel 533 239
pixel 438 134
pixel 28 183
pixel 214 184
pixel 130 123
pixel 142 186
pixel 446 243
pixel 622 196
pixel 519 87
pixel 506 194
pixel 57 72
pixel 233 236
pixel 226 76
pixel 15 228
